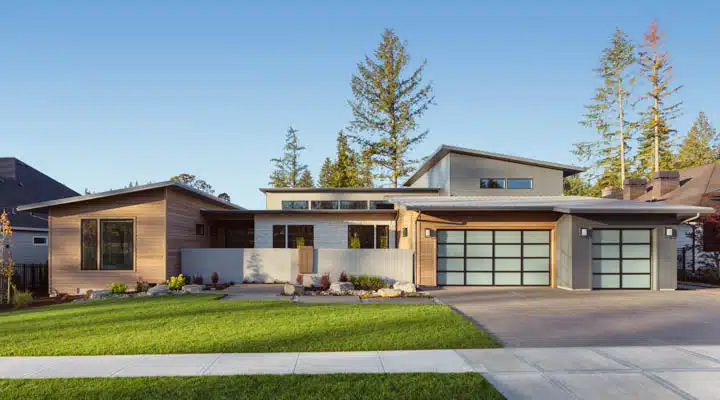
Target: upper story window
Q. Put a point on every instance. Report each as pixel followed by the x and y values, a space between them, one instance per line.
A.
pixel 325 205
pixel 353 204
pixel 492 183
pixel 294 204
pixel 513 183
pixel 381 205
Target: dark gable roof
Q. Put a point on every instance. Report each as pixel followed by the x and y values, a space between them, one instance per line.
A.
pixel 695 184
pixel 43 206
pixel 23 184
pixel 444 150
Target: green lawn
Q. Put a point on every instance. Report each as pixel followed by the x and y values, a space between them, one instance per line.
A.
pixel 201 324
pixel 348 386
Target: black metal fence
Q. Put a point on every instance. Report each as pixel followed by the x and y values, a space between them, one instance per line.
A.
pixel 686 259
pixel 28 277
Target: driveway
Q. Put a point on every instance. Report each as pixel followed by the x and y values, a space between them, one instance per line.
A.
pixel 544 317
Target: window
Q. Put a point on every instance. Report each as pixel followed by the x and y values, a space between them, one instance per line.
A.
pixel 361 236
pixel 40 240
pixel 325 205
pixel 239 238
pixel 89 244
pixel 382 237
pixel 200 229
pixel 353 204
pixel 294 205
pixel 116 245
pixel 492 183
pixel 278 236
pixel 300 235
pixel 519 183
pixel 381 205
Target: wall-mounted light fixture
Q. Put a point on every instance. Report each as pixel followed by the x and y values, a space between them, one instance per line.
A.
pixel 670 232
pixel 584 232
pixel 428 232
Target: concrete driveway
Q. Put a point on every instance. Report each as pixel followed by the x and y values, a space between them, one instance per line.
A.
pixel 544 317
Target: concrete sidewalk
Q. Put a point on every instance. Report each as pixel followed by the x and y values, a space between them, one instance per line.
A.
pixel 661 372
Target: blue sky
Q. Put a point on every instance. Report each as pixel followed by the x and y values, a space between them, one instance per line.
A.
pixel 97 94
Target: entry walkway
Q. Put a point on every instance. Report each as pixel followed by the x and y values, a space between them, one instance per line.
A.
pixel 657 372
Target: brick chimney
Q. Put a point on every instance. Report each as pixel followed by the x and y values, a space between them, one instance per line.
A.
pixel 610 193
pixel 634 188
pixel 664 182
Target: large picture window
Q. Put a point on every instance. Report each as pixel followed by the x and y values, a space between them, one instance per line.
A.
pixel 361 236
pixel 116 244
pixel 89 243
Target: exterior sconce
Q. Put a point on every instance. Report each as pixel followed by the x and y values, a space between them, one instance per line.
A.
pixel 670 232
pixel 584 232
pixel 428 232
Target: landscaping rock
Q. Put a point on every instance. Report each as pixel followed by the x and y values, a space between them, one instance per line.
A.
pixel 290 290
pixel 406 287
pixel 99 294
pixel 158 290
pixel 341 288
pixel 193 289
pixel 389 293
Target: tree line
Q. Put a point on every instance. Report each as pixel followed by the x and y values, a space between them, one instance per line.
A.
pixel 386 105
pixel 632 112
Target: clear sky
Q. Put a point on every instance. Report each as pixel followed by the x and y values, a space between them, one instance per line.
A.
pixel 100 93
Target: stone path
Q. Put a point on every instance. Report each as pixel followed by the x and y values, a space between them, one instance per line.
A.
pixel 658 372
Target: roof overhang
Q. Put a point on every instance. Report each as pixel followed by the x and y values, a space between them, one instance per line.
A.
pixel 399 190
pixel 219 213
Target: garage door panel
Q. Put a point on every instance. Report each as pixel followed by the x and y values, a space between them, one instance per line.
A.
pixel 450 264
pixel 536 278
pixel 479 264
pixel 536 237
pixel 606 281
pixel 536 250
pixel 636 266
pixel 451 250
pixel 451 278
pixel 536 264
pixel 606 266
pixel 479 250
pixel 508 278
pixel 508 250
pixel 636 236
pixel 508 237
pixel 480 278
pixel 451 236
pixel 621 259
pixel 508 264
pixel 479 236
pixel 606 251
pixel 636 281
pixel 636 251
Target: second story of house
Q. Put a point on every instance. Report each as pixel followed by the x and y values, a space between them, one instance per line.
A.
pixel 338 198
pixel 458 171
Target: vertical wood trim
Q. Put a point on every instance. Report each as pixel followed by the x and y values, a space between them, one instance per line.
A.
pixel 305 259
pixel 553 272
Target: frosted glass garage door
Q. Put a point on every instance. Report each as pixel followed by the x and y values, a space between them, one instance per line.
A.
pixel 493 257
pixel 621 258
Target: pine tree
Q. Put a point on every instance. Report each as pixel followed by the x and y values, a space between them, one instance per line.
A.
pixel 577 185
pixel 386 106
pixel 326 174
pixel 655 144
pixel 288 169
pixel 700 146
pixel 608 111
pixel 194 182
pixel 306 180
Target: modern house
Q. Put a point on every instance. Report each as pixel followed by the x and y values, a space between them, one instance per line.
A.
pixel 466 217
pixel 22 184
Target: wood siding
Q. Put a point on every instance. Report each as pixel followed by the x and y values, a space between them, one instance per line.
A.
pixel 426 264
pixel 183 213
pixel 147 209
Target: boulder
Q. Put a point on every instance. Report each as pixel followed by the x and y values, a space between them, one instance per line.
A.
pixel 406 287
pixel 389 293
pixel 193 288
pixel 158 290
pixel 99 294
pixel 290 290
pixel 341 288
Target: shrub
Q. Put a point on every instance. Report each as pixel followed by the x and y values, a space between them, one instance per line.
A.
pixel 118 288
pixel 198 280
pixel 215 278
pixel 343 277
pixel 142 286
pixel 299 279
pixel 20 299
pixel 186 279
pixel 368 282
pixel 325 281
pixel 177 282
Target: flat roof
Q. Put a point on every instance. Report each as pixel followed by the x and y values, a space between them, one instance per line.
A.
pixel 561 204
pixel 444 150
pixel 294 212
pixel 117 192
pixel 349 190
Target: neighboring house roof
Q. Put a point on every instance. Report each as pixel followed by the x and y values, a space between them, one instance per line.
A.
pixel 44 205
pixel 561 204
pixel 22 184
pixel 349 190
pixel 695 183
pixel 444 150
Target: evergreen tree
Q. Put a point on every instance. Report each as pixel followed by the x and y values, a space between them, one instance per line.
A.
pixel 386 106
pixel 577 185
pixel 194 182
pixel 607 113
pixel 326 174
pixel 655 143
pixel 288 169
pixel 224 196
pixel 306 180
pixel 700 146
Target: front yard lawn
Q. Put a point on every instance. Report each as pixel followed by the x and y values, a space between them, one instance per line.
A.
pixel 348 386
pixel 201 324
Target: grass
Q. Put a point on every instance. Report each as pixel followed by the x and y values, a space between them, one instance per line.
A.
pixel 201 324
pixel 348 386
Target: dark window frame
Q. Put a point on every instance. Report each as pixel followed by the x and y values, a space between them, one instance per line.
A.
pixel 295 205
pixel 199 229
pixel 508 180
pixel 95 242
pixel 378 236
pixel 44 241
pixel 292 239
pixel 101 261
pixel 356 202
pixel 361 231
pixel 620 258
pixel 502 180
pixel 320 204
pixel 279 231
pixel 385 205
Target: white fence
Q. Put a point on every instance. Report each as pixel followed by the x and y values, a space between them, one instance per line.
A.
pixel 281 264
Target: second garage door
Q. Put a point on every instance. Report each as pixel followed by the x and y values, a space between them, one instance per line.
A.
pixel 493 257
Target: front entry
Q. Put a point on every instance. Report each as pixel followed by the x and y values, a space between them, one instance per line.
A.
pixel 493 257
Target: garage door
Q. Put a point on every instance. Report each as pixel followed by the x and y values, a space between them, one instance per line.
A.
pixel 621 258
pixel 493 257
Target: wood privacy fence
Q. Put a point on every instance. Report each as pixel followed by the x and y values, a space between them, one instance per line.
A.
pixel 28 277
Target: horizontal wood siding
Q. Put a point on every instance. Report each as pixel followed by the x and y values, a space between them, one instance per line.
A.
pixel 147 209
pixel 183 213
pixel 426 254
